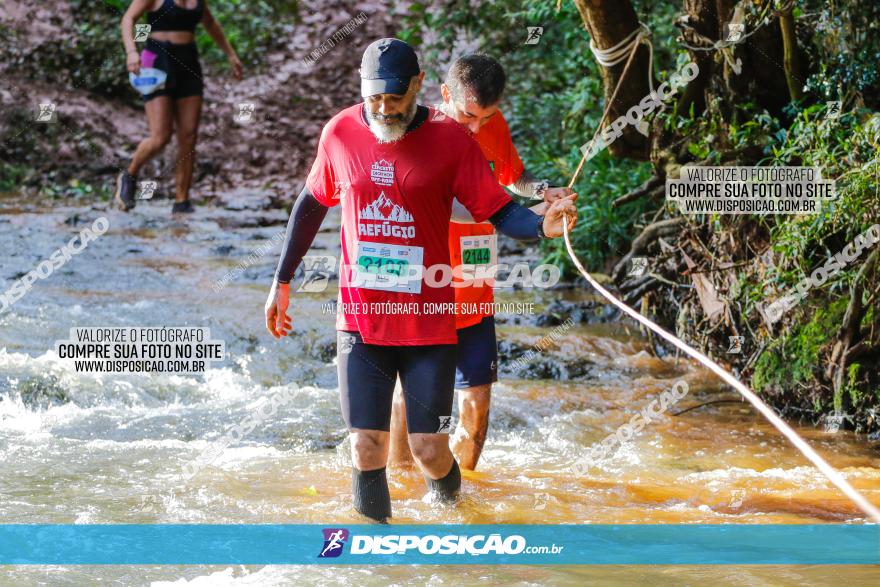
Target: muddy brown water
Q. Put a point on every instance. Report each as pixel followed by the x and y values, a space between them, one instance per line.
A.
pixel 93 449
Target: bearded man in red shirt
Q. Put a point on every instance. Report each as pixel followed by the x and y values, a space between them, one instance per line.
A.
pixel 395 167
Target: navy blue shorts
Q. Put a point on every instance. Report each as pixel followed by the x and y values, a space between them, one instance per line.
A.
pixel 477 362
pixel 368 372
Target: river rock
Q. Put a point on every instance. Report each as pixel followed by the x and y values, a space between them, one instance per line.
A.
pixel 581 312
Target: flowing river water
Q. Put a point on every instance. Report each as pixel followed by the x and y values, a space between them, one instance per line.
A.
pixel 96 449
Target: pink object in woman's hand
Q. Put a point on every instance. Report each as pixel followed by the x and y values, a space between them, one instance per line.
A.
pixel 148 58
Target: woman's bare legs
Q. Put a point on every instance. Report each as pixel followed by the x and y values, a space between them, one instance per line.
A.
pixel 159 119
pixel 187 113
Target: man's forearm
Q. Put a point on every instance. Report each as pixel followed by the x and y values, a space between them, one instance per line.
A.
pixel 305 221
pixel 528 186
pixel 518 223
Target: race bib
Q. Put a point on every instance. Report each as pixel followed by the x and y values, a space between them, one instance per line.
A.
pixel 385 267
pixel 479 250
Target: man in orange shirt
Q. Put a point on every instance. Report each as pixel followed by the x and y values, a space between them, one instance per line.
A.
pixel 471 95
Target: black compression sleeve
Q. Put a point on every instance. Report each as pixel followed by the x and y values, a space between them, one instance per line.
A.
pixel 305 220
pixel 518 222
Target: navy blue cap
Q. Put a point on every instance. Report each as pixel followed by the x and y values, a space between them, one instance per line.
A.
pixel 387 67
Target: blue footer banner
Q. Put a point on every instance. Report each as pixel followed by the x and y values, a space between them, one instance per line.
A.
pixel 132 544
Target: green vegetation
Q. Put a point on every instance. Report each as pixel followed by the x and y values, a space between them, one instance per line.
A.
pixel 12 176
pixel 253 28
pixel 794 358
pixel 74 188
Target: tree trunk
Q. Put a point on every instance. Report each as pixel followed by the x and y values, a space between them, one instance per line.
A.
pixel 761 78
pixel 609 22
pixel 700 21
pixel 793 75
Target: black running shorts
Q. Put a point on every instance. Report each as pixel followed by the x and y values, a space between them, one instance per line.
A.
pixel 477 355
pixel 368 372
pixel 181 64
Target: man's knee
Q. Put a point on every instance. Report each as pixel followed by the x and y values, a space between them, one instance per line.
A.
pixel 429 448
pixel 369 449
pixel 366 443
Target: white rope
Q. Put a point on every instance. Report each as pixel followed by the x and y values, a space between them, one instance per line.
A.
pixel 616 54
pixel 763 19
pixel 836 478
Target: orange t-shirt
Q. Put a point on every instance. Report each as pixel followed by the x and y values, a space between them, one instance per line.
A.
pixel 478 242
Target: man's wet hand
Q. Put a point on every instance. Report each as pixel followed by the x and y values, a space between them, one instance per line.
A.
pixel 560 211
pixel 553 194
pixel 277 321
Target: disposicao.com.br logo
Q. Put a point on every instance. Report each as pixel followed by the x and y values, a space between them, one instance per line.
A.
pixel 334 541
pixel 449 544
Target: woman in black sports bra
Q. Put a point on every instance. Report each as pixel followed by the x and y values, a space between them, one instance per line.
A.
pixel 171 48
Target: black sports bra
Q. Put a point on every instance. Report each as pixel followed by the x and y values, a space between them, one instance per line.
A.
pixel 171 17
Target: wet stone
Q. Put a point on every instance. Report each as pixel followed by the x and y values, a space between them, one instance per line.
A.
pixel 582 312
pixel 323 348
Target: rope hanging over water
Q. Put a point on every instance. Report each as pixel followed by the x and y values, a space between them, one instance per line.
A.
pixel 614 55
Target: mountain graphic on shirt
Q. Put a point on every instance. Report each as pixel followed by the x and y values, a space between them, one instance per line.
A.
pixel 383 208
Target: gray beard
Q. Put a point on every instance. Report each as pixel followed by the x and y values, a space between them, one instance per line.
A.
pixel 391 133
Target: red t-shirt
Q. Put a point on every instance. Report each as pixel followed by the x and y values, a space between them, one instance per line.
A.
pixel 396 204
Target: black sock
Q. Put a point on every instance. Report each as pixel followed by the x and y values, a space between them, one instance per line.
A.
pixel 370 492
pixel 448 486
